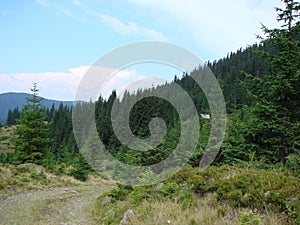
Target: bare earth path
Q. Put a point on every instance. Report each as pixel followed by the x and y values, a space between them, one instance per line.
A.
pixel 58 205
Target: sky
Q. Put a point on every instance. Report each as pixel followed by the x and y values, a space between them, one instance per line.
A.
pixel 53 42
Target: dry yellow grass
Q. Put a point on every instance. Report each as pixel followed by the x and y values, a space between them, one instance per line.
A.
pixel 205 211
pixel 13 179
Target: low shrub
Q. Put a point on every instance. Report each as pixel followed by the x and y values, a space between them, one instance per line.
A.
pixel 169 189
pixel 293 161
pixel 120 192
pixel 23 169
pixel 79 174
pixel 260 189
pixel 186 197
pixel 38 175
pixel 139 194
pixel 249 218
pixel 60 169
pixel 3 138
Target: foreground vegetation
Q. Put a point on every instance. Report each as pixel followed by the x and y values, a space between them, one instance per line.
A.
pixel 217 195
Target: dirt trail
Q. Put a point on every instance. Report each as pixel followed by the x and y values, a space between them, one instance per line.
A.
pixel 58 205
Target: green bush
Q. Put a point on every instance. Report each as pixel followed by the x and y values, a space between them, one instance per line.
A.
pixel 23 169
pixel 197 182
pixel 120 192
pixel 293 161
pixel 261 188
pixel 275 188
pixel 192 177
pixel 169 189
pixel 186 197
pixel 249 218
pixel 38 175
pixel 79 174
pixel 139 194
pixel 3 138
pixel 59 169
pixel 182 175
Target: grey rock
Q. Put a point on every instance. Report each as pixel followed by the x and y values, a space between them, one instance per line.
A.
pixel 268 193
pixel 158 187
pixel 105 201
pixel 127 215
pixel 32 165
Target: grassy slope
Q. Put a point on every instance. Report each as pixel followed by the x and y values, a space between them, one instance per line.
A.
pixel 217 195
pixel 13 179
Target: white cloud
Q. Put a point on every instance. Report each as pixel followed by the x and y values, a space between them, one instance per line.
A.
pixel 64 85
pixel 131 28
pixel 53 85
pixel 101 81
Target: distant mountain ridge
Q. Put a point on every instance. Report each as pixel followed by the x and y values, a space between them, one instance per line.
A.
pixel 12 100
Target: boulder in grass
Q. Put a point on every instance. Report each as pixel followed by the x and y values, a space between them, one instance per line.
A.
pixel 127 215
pixel 32 166
pixel 105 201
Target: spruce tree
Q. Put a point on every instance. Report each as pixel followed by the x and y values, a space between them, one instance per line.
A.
pixel 10 119
pixel 274 132
pixel 12 116
pixel 31 141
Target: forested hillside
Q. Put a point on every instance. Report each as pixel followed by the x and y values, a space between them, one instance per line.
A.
pixel 12 103
pixel 257 166
pixel 235 73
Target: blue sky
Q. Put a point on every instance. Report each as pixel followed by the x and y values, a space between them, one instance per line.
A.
pixel 54 42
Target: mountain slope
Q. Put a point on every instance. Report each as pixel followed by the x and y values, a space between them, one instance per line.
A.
pixel 12 100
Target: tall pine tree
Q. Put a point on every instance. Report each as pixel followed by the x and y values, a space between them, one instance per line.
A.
pixel 274 132
pixel 31 142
